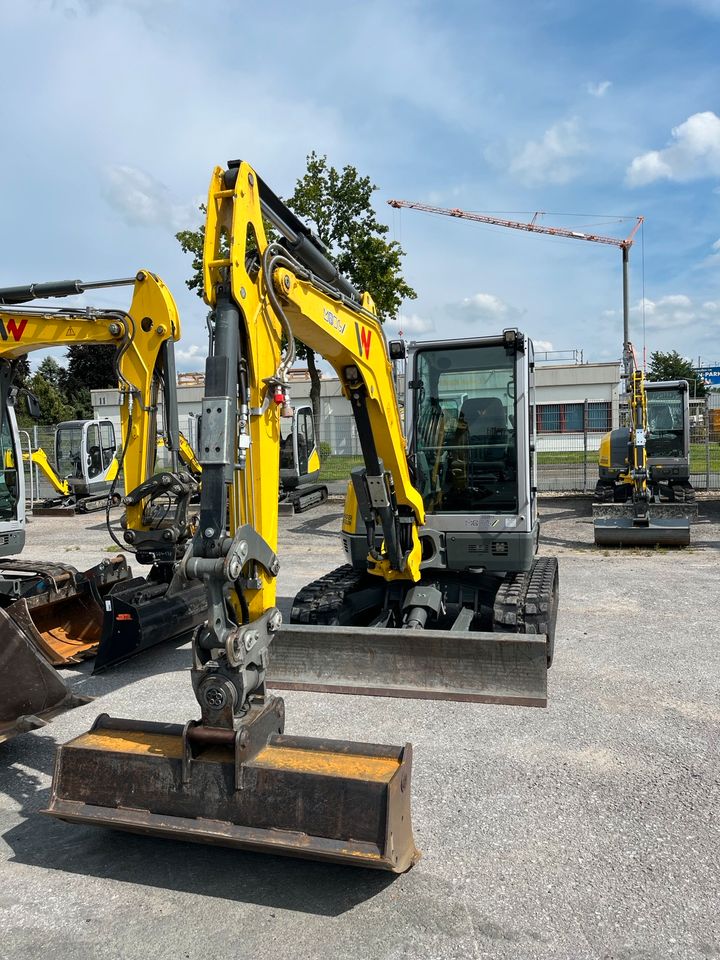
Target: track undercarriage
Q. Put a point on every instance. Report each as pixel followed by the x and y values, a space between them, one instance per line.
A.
pixel 512 603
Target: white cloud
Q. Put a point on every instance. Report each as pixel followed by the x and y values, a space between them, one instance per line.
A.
pixel 144 201
pixel 710 8
pixel 543 346
pixel 550 160
pixel 676 312
pixel 692 153
pixel 713 259
pixel 484 308
pixel 191 356
pixel 598 89
pixel 412 324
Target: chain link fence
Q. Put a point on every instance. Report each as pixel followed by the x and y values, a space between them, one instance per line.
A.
pixel 565 461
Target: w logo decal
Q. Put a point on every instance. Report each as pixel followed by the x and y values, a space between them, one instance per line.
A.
pixel 15 328
pixel 364 338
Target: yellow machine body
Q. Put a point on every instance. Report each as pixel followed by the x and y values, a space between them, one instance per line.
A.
pixel 234 777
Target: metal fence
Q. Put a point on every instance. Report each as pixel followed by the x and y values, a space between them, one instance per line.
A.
pixel 39 436
pixel 565 461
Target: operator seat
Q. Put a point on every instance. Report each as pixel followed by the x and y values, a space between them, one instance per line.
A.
pixel 483 430
pixel 485 418
pixel 662 418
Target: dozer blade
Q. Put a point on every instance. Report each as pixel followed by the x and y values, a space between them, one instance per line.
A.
pixel 140 614
pixel 325 800
pixel 664 525
pixel 31 692
pixel 656 511
pixel 421 664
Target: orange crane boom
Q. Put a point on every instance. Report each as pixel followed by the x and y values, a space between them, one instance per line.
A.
pixel 533 227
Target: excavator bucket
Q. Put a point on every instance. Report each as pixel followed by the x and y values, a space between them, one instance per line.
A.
pixel 66 631
pixel 461 665
pixel 141 613
pixel 60 609
pixel 657 525
pixel 257 790
pixel 31 691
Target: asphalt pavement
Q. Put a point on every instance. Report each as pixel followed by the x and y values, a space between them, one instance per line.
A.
pixel 587 830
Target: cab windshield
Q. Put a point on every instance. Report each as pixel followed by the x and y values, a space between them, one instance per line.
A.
pixel 68 451
pixel 465 433
pixel 665 423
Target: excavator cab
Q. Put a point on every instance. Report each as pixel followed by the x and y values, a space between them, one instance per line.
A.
pixel 474 468
pixel 299 463
pixel 85 455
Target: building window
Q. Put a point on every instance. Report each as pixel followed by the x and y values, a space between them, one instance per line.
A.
pixel 568 417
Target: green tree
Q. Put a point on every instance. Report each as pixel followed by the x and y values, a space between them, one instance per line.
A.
pixel 673 366
pixel 53 407
pixel 53 373
pixel 192 241
pixel 89 368
pixel 338 207
pixel 22 370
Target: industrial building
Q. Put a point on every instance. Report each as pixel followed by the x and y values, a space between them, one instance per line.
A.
pixel 571 399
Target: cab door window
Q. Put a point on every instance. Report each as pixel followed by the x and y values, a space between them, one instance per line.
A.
pixel 107 437
pixel 93 450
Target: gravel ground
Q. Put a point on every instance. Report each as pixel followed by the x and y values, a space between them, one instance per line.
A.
pixel 587 830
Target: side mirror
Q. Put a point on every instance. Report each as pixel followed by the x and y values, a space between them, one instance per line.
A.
pixel 33 407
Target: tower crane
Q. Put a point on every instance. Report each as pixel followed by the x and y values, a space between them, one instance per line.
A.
pixel 641 519
pixel 534 227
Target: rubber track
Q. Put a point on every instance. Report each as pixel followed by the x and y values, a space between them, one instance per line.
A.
pixel 684 493
pixel 527 602
pixel 322 600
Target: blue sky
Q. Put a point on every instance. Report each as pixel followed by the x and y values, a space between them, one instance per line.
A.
pixel 114 113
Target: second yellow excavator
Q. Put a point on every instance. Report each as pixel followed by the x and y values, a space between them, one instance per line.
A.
pixel 53 613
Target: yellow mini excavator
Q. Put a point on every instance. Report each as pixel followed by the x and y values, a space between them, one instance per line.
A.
pixel 85 467
pixel 52 613
pixel 300 487
pixel 233 777
pixel 643 494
